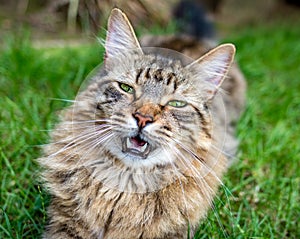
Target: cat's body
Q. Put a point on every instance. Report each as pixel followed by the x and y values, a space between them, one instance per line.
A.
pixel 140 152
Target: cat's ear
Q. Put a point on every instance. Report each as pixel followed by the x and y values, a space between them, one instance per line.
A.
pixel 213 67
pixel 120 35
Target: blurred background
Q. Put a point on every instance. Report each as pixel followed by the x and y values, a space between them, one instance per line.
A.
pixel 76 18
pixel 47 48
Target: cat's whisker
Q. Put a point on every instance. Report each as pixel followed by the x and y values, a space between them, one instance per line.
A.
pixel 185 148
pixel 76 136
pixel 207 168
pixel 84 148
pixel 65 100
pixel 201 179
pixel 228 155
pixel 191 166
pixel 178 177
pixel 204 186
pixel 93 144
pixel 86 121
pixel 71 144
pixel 98 131
pixel 186 162
pixel 78 139
pixel 76 127
pixel 92 126
pixel 98 138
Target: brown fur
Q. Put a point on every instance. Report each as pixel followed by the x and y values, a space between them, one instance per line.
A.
pixel 100 187
pixel 234 86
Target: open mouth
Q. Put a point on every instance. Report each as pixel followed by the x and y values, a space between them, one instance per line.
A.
pixel 136 146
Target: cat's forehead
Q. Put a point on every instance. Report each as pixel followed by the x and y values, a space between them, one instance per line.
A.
pixel 149 69
pixel 159 76
pixel 152 76
pixel 161 65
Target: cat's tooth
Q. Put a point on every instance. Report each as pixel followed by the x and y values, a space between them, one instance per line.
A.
pixel 143 149
pixel 129 144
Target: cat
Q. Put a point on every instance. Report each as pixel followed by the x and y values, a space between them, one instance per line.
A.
pixel 139 154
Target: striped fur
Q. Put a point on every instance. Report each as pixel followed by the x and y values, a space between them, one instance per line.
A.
pixel 100 186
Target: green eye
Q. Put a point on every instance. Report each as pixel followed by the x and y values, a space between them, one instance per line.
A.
pixel 177 103
pixel 126 88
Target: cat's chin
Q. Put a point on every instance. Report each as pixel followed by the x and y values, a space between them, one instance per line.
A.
pixel 136 147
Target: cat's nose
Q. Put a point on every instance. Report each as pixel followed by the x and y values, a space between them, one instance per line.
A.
pixel 142 120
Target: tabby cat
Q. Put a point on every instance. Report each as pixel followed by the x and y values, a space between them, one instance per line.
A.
pixel 141 152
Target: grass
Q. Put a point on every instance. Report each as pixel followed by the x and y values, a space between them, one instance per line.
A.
pixel 264 197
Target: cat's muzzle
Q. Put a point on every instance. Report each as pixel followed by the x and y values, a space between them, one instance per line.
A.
pixel 136 146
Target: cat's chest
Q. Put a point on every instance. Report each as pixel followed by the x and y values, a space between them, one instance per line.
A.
pixel 117 211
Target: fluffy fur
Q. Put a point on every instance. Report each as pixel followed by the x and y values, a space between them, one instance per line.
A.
pixel 140 152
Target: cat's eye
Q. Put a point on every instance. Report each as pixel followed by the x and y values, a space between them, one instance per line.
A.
pixel 177 103
pixel 127 88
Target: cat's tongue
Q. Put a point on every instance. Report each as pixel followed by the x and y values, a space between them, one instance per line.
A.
pixel 136 146
pixel 137 141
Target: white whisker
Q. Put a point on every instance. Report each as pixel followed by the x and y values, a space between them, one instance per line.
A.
pixel 86 121
pixel 77 139
pixel 180 182
pixel 65 100
pixel 88 148
pixel 75 135
pixel 201 179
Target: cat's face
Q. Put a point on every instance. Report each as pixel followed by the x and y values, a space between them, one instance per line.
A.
pixel 155 107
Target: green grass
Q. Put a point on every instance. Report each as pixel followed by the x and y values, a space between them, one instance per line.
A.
pixel 263 201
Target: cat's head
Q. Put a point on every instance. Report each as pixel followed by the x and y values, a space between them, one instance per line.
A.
pixel 152 106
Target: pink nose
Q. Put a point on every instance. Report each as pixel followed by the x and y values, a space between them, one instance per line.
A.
pixel 142 120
